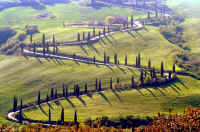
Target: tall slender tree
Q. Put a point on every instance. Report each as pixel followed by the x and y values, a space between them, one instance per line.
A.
pixel 75 117
pixel 139 60
pixel 47 98
pixel 14 104
pixel 162 69
pixel 21 112
pixel 34 48
pixel 108 59
pixel 149 64
pixel 174 68
pixel 94 32
pixel 56 93
pixel 126 60
pixel 44 44
pixel 49 115
pixel 83 35
pixel 62 118
pixel 38 101
pixel 99 34
pixel 31 38
pixel 111 83
pixel 86 88
pixel 131 20
pixel 63 87
pixel 54 44
pixel 170 75
pixel 136 61
pixel 132 82
pixel 96 84
pixel 66 91
pixel 78 37
pixel 118 80
pixel 108 29
pixel 88 36
pixel 104 58
pixel 104 31
pixel 100 85
pixel 115 59
pixel 52 92
pixel 141 78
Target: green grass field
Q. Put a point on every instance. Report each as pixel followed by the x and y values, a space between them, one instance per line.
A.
pixel 24 77
pixel 144 102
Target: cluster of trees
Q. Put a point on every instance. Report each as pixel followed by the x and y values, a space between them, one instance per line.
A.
pixel 45 45
pixel 94 34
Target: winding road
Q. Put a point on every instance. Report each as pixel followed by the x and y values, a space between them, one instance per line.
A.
pixel 138 25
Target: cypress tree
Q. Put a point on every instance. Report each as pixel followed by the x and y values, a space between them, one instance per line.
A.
pixel 88 36
pixel 104 31
pixel 148 15
pixel 108 29
pixel 132 82
pixel 66 90
pixel 78 37
pixel 94 59
pixel 162 69
pixel 83 35
pixel 118 80
pixel 78 90
pixel 56 93
pixel 63 87
pixel 174 68
pixel 44 43
pixel 52 92
pixel 108 59
pixel 136 62
pixel 126 59
pixel 56 50
pixel 96 84
pixel 47 47
pixel 31 38
pixel 115 59
pixel 149 64
pixel 139 60
pixel 75 90
pixel 99 34
pixel 100 85
pixel 47 98
pixel 111 83
pixel 131 20
pixel 49 115
pixel 141 78
pixel 104 58
pixel 94 32
pixel 154 73
pixel 170 75
pixel 54 44
pixel 14 104
pixel 86 88
pixel 38 101
pixel 34 48
pixel 21 113
pixel 62 118
pixel 75 117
